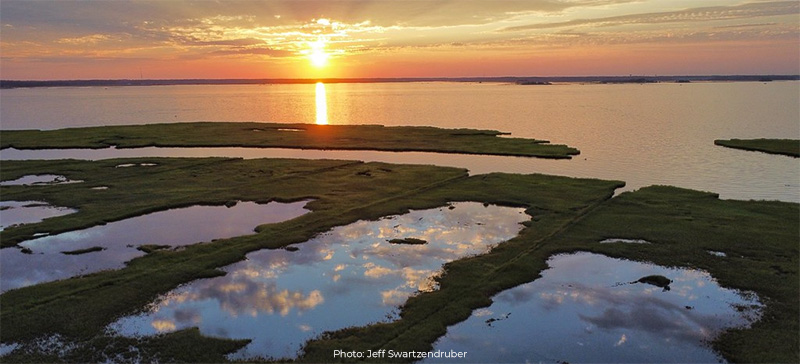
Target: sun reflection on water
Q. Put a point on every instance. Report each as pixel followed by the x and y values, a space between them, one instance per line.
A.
pixel 322 104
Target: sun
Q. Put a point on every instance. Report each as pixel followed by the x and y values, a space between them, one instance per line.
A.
pixel 317 54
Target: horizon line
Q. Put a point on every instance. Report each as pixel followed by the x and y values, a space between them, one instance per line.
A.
pixel 631 78
pixel 416 77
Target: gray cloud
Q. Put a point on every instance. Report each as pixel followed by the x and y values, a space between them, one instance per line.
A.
pixel 76 16
pixel 242 42
pixel 275 53
pixel 752 10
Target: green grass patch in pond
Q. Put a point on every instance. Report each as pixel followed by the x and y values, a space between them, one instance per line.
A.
pixel 409 241
pixel 656 280
pixel 149 248
pixel 84 251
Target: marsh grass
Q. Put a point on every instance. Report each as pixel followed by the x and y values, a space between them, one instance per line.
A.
pixel 567 215
pixel 272 135
pixel 408 241
pixel 84 251
pixel 759 239
pixel 790 147
pixel 763 236
pixel 149 248
pixel 80 308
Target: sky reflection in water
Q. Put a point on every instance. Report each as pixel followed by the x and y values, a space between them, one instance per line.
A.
pixel 348 276
pixel 172 227
pixel 38 180
pixel 583 310
pixel 27 212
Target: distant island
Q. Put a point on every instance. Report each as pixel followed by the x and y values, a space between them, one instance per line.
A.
pixel 790 147
pixel 278 135
pixel 6 84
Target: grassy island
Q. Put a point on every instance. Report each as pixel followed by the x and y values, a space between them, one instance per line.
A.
pixel 568 215
pixel 790 147
pixel 273 135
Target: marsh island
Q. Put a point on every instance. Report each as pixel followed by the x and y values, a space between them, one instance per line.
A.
pixel 790 147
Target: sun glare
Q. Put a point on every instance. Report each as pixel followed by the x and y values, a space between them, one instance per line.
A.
pixel 322 104
pixel 317 54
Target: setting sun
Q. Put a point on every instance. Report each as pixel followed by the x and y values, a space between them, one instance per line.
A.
pixel 317 54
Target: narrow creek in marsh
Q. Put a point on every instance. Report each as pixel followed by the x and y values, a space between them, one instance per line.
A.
pixel 110 246
pixel 349 276
pixel 590 308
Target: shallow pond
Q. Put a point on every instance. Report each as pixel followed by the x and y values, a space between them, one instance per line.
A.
pixel 119 240
pixel 39 180
pixel 624 241
pixel 585 308
pixel 26 212
pixel 349 276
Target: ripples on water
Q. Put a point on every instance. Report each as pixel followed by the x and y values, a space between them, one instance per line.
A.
pixel 349 276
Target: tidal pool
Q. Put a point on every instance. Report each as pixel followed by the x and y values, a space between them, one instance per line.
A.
pixel 38 180
pixel 26 212
pixel 349 276
pixel 624 241
pixel 128 165
pixel 119 240
pixel 585 308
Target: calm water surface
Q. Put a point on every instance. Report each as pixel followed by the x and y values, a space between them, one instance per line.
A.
pixel 27 212
pixel 38 180
pixel 584 309
pixel 121 238
pixel 642 134
pixel 349 276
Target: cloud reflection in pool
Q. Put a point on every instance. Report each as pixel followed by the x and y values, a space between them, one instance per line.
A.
pixel 348 276
pixel 584 309
pixel 120 239
pixel 27 212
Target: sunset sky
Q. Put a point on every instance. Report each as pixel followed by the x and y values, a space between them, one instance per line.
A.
pixel 172 39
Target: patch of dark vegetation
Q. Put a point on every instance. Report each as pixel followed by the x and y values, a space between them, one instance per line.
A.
pixel 231 203
pixel 492 320
pixel 84 251
pixel 274 135
pixel 408 241
pixel 655 280
pixel 788 147
pixel 26 251
pixel 37 204
pixel 534 83
pixel 149 248
pixel 184 346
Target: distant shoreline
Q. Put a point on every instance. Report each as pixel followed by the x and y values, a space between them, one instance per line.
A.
pixel 8 84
